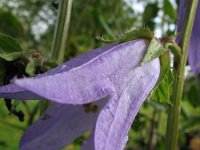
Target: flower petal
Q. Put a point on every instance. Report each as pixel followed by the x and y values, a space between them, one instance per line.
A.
pixel 194 48
pixel 58 126
pixel 78 61
pixel 13 91
pixel 89 81
pixel 116 117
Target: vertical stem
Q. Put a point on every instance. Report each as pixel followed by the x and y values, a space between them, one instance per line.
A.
pixel 179 70
pixel 61 32
pixel 150 144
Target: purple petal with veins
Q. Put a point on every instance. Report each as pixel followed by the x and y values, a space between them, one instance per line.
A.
pixel 111 77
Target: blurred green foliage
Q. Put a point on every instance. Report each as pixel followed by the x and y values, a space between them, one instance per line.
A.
pixel 32 23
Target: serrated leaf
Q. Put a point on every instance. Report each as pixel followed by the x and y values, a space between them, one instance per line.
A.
pixel 10 56
pixel 8 44
pixel 154 50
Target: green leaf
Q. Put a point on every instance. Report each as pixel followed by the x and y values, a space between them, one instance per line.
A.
pixel 169 10
pixel 162 90
pixel 150 12
pixel 10 23
pixel 154 50
pixel 8 44
pixel 11 56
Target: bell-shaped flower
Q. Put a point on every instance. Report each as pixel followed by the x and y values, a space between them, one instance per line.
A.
pixel 101 90
pixel 194 48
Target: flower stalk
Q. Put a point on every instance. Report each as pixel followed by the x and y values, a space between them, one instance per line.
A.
pixel 179 70
pixel 61 31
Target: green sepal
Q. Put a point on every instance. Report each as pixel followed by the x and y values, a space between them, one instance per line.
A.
pixel 132 34
pixel 154 50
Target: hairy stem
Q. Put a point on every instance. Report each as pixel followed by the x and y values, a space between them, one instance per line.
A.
pixel 179 69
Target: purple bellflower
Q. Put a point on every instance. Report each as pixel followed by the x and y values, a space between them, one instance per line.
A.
pixel 194 48
pixel 101 90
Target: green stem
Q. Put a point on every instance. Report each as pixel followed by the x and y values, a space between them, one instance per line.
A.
pixel 179 70
pixel 61 32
